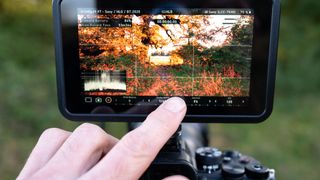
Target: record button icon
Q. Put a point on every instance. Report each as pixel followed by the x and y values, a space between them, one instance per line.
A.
pixel 108 100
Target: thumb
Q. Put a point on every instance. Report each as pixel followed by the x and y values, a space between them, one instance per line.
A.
pixel 177 177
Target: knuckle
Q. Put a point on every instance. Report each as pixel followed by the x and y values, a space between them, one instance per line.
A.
pixel 92 134
pixel 52 133
pixel 71 147
pixel 88 128
pixel 135 145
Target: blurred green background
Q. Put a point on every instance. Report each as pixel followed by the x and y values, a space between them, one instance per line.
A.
pixel 288 141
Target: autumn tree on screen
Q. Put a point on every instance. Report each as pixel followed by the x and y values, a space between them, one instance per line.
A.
pixel 199 46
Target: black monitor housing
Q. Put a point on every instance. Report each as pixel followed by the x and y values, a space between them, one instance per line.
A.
pixel 119 60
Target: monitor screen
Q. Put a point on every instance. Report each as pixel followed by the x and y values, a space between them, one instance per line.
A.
pixel 135 55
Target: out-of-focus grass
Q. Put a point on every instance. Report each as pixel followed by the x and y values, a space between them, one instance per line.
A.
pixel 287 141
pixel 27 81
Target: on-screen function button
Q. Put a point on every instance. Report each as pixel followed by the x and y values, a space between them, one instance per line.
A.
pixel 98 100
pixel 88 99
pixel 108 100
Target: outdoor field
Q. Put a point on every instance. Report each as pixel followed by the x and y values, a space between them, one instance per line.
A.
pixel 288 141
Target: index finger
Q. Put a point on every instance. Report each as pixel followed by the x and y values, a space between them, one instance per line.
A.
pixel 133 154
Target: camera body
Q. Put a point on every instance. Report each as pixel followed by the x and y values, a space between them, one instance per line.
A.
pixel 185 156
pixel 120 60
pixel 230 165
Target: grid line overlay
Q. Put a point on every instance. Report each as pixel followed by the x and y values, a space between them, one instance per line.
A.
pixel 193 76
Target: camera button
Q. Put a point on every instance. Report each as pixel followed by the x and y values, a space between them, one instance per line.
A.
pixel 108 100
pixel 232 171
pixel 88 99
pixel 98 100
pixel 256 171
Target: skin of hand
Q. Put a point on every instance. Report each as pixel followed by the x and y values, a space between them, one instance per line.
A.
pixel 90 153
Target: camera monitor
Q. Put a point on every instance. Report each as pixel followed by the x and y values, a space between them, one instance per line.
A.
pixel 119 60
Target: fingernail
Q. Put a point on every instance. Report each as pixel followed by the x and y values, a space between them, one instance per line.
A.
pixel 174 105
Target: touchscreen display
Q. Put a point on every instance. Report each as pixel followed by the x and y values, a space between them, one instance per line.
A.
pixel 133 55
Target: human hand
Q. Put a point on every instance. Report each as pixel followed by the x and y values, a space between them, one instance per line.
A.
pixel 90 153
